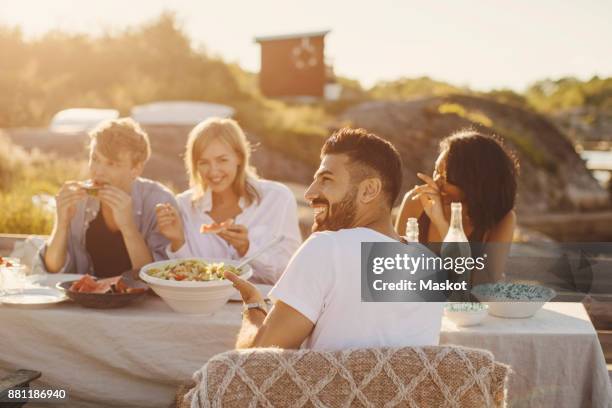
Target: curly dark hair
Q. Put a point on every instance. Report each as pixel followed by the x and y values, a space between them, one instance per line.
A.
pixel 372 154
pixel 486 171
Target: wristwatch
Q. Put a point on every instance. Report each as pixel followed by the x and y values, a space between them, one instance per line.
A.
pixel 257 305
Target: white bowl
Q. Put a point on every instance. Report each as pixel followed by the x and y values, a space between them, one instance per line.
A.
pixel 512 307
pixel 464 318
pixel 514 310
pixel 193 297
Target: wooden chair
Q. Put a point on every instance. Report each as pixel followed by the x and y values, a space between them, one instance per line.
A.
pixel 431 376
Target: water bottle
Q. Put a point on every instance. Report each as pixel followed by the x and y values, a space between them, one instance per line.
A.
pixel 455 242
pixel 456 245
pixel 412 230
pixel 455 231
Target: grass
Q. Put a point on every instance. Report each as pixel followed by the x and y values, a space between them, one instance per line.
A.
pixel 23 175
pixel 460 110
pixel 298 130
pixel 21 216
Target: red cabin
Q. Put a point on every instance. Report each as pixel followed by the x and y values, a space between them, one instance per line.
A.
pixel 293 65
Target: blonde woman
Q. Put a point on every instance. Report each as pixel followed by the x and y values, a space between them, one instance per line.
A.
pixel 229 212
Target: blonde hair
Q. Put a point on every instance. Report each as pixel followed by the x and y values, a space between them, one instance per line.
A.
pixel 228 131
pixel 121 135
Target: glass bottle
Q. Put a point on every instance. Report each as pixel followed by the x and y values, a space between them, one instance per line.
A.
pixel 455 242
pixel 412 230
pixel 455 229
pixel 456 245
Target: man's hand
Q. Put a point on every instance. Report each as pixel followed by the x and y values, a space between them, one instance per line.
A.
pixel 170 225
pixel 57 246
pixel 283 327
pixel 248 291
pixel 120 204
pixel 237 236
pixel 66 199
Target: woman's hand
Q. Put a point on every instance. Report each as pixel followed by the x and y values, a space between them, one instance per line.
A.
pixel 237 236
pixel 431 199
pixel 170 225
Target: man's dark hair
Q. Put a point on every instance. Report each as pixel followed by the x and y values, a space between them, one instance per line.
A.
pixel 371 153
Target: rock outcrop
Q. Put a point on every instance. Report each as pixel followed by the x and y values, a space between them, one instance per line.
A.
pixel 586 124
pixel 553 176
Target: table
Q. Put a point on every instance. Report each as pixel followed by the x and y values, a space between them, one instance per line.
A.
pixel 556 356
pixel 131 357
pixel 137 356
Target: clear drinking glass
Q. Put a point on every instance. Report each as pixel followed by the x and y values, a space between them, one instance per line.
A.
pixel 12 278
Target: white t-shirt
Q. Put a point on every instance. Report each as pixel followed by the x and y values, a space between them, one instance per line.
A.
pixel 323 282
pixel 274 215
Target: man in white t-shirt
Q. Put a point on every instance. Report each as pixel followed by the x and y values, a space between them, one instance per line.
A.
pixel 318 297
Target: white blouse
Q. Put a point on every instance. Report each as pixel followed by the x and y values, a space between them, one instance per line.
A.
pixel 274 215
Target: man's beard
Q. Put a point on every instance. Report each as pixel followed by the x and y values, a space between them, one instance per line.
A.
pixel 339 215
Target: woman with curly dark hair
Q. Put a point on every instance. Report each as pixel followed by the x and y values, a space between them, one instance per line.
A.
pixel 476 170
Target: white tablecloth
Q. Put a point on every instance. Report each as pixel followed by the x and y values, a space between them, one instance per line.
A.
pixel 129 357
pixel 137 356
pixel 556 356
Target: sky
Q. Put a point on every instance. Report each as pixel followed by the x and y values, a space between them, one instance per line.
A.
pixel 483 44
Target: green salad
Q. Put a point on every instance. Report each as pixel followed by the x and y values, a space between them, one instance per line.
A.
pixel 193 270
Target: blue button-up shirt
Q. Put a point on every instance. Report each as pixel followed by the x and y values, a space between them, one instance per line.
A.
pixel 146 194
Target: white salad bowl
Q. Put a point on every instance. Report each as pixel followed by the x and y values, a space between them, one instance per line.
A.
pixel 193 297
pixel 466 314
pixel 513 300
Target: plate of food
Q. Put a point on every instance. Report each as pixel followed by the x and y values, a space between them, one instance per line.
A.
pixel 193 285
pixel 513 300
pixel 9 262
pixel 108 293
pixel 33 297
